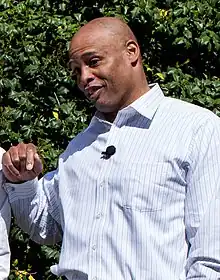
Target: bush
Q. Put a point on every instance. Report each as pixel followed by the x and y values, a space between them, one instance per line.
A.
pixel 40 103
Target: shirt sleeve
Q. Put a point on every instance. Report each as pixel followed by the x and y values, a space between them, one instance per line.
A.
pixel 202 204
pixel 36 207
pixel 5 220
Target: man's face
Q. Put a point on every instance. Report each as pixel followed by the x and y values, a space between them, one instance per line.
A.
pixel 102 71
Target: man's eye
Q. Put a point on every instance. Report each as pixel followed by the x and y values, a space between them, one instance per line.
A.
pixel 93 62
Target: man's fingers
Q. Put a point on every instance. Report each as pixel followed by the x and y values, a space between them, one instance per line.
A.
pixel 21 147
pixel 21 163
pixel 30 152
pixel 8 167
pixel 38 166
pixel 14 157
pixel 10 177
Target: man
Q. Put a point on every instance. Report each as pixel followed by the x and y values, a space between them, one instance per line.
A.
pixel 5 218
pixel 135 195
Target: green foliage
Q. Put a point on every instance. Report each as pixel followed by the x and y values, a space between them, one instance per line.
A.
pixel 39 102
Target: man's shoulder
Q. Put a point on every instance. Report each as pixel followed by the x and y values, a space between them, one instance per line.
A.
pixel 188 115
pixel 182 107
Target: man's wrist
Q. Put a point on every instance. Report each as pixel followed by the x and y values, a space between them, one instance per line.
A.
pixel 10 182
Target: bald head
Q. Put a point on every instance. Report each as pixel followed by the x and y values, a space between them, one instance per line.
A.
pixel 105 28
pixel 111 25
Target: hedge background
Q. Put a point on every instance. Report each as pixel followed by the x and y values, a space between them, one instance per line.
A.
pixel 180 42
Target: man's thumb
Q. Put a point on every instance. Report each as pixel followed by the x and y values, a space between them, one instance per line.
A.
pixel 38 166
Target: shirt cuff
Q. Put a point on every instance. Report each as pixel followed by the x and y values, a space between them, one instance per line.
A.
pixel 21 191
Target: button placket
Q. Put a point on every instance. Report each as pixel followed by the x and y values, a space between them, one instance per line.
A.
pixel 101 203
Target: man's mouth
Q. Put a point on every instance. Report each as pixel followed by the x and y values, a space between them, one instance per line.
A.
pixel 93 92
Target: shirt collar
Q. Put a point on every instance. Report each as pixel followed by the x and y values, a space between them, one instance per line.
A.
pixel 146 105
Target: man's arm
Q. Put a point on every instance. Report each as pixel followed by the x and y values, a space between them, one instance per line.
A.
pixel 5 220
pixel 35 203
pixel 202 205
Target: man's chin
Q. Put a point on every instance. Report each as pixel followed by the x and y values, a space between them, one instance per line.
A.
pixel 104 108
pixel 109 112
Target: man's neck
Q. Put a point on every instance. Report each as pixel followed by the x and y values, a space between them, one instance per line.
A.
pixel 110 117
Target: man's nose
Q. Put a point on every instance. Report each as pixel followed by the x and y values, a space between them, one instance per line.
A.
pixel 85 78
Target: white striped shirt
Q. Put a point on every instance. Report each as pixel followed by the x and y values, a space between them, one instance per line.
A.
pixel 5 220
pixel 149 212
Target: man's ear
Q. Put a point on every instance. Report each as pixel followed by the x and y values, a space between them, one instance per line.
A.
pixel 133 51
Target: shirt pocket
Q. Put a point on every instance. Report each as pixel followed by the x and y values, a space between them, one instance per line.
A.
pixel 143 186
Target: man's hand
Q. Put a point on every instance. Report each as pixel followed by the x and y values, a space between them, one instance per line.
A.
pixel 21 163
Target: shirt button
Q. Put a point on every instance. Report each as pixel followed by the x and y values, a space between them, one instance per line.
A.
pixel 99 215
pixel 94 278
pixel 102 185
pixel 94 247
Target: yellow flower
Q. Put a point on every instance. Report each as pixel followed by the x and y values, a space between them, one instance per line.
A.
pixel 30 277
pixel 56 115
pixel 163 13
